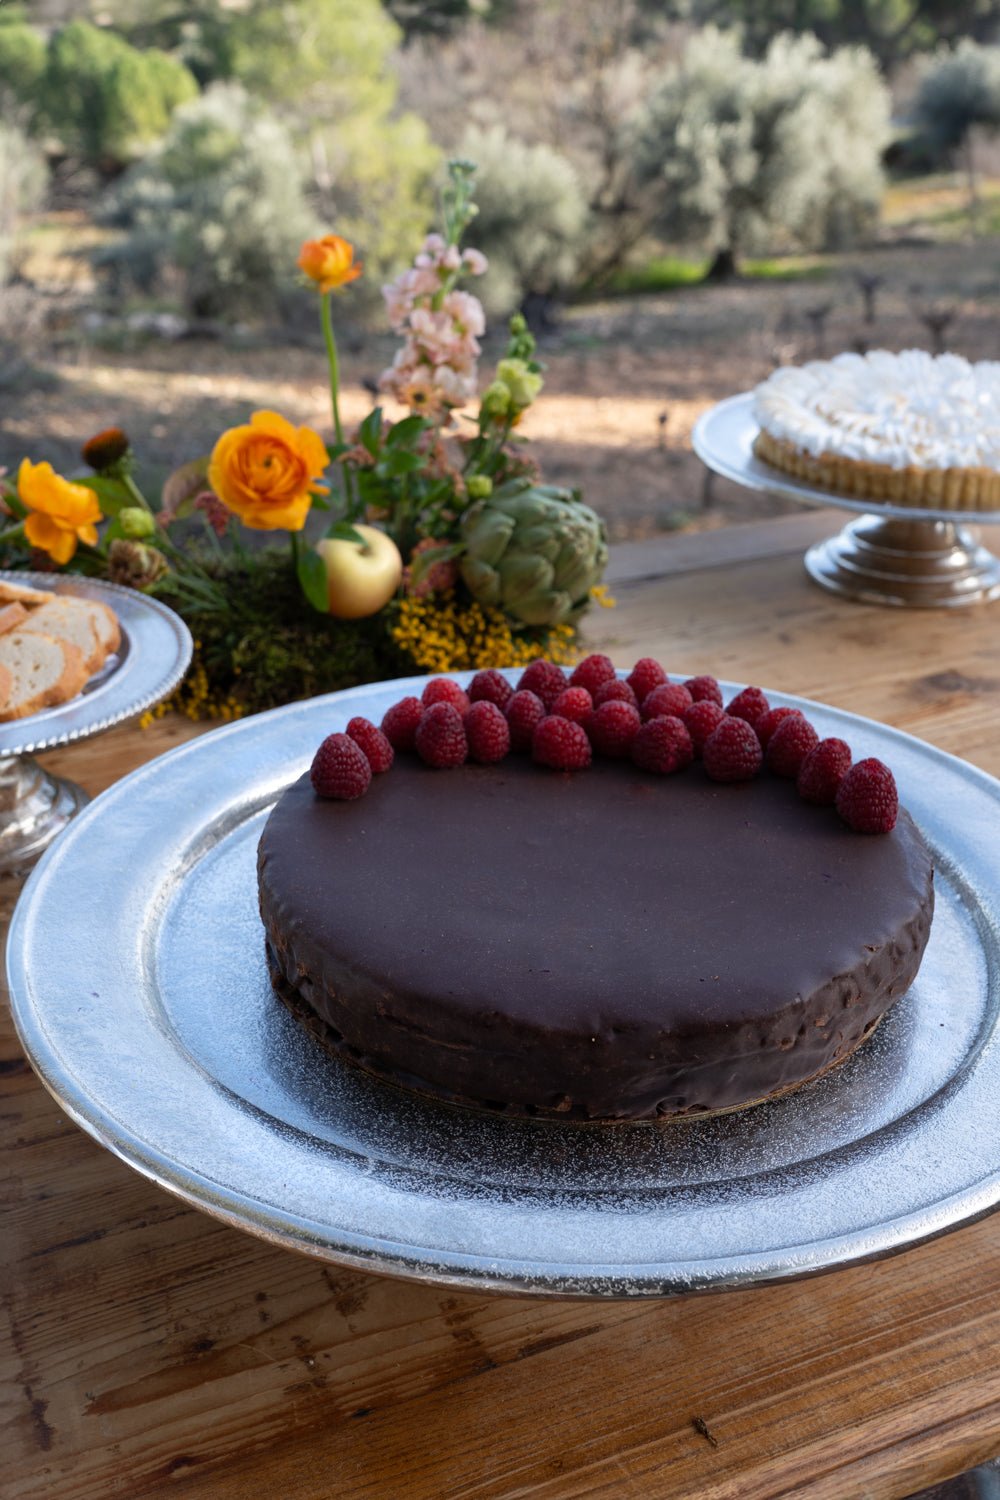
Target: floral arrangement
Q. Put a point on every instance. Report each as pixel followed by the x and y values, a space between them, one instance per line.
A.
pixel 440 547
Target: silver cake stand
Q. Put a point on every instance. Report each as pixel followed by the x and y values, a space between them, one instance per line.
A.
pixel 891 554
pixel 153 657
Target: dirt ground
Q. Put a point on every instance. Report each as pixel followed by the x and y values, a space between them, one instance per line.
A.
pixel 625 379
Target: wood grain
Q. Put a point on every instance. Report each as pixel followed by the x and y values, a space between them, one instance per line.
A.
pixel 151 1351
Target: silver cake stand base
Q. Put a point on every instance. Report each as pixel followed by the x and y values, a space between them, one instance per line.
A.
pixel 34 807
pixel 906 556
pixel 922 564
pixel 152 658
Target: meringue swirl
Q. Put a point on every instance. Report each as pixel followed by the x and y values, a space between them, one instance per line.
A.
pixel 908 410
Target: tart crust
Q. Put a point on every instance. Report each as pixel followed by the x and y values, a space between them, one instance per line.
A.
pixel 935 489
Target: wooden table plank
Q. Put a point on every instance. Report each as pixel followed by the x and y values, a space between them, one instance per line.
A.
pixel 151 1350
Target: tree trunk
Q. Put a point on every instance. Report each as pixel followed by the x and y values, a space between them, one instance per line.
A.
pixel 723 267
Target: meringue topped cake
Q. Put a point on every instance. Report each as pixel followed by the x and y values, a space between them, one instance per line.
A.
pixel 912 429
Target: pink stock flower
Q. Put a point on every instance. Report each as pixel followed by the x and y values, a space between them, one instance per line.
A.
pixel 435 370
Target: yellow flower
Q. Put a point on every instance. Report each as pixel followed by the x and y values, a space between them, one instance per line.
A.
pixel 63 514
pixel 266 473
pixel 329 262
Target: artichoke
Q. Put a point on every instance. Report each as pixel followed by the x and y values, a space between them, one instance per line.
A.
pixel 534 551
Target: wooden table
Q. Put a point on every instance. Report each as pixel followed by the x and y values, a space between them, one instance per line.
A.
pixel 153 1351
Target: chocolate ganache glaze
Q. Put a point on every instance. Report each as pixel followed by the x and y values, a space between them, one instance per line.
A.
pixel 600 945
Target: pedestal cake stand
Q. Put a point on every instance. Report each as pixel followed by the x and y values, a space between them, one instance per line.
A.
pixel 153 657
pixel 891 554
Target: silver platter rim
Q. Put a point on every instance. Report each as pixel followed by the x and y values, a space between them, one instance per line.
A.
pixel 157 653
pixel 47 933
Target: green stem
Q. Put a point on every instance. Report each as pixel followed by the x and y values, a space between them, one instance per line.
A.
pixel 136 493
pixel 334 364
pixel 12 532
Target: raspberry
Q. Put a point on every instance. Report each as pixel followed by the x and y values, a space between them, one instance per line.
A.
pixel 790 743
pixel 377 749
pixel 445 690
pixel 612 728
pixel 491 687
pixel 573 703
pixel 662 744
pixel 440 739
pixel 867 799
pixel 340 769
pixel 646 675
pixel 561 744
pixel 700 720
pixel 615 691
pixel 544 679
pixel 487 732
pixel 704 690
pixel 669 698
pixel 524 711
pixel 400 723
pixel 750 705
pixel 591 672
pixel 822 771
pixel 732 752
pixel 768 723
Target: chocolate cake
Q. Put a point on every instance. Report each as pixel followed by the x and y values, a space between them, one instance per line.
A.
pixel 608 945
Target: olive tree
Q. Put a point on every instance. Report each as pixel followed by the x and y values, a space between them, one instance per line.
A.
pixel 217 207
pixel 958 94
pixel 531 220
pixel 751 155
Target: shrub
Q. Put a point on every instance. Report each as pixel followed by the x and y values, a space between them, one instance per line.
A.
pixel 749 154
pixel 22 63
pixel 22 184
pixel 218 205
pixel 531 222
pixel 327 64
pixel 107 100
pixel 958 91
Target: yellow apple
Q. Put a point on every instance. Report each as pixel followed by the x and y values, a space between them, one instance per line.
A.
pixel 361 577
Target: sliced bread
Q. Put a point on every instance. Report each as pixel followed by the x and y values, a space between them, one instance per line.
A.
pixel 5 683
pixel 11 615
pixel 43 672
pixel 74 620
pixel 106 624
pixel 17 593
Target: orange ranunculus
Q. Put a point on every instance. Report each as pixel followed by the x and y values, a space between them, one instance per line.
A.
pixel 63 514
pixel 266 473
pixel 329 262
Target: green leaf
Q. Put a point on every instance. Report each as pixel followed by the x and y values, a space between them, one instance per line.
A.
pixel 370 432
pixel 113 495
pixel 400 462
pixel 343 531
pixel 405 432
pixel 320 502
pixel 312 579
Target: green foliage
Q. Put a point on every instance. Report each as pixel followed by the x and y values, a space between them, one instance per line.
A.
pixel 108 100
pixel 753 156
pixel 327 64
pixel 22 185
pixel 891 29
pixel 22 63
pixel 959 91
pixel 439 18
pixel 532 218
pixel 262 646
pixel 219 205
